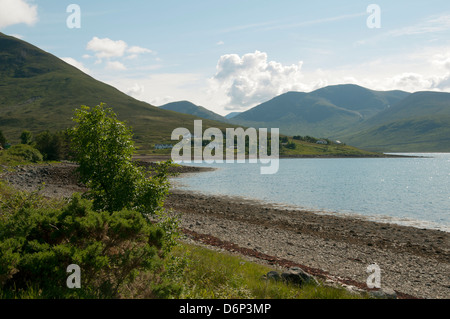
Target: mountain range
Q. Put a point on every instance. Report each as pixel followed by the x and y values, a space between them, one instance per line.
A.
pixel 39 91
pixel 388 121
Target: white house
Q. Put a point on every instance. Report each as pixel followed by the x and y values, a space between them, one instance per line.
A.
pixel 163 146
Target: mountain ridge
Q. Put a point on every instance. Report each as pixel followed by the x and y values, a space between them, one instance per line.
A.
pixel 39 91
pixel 187 107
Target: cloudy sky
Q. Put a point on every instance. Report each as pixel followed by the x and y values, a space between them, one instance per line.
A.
pixel 232 55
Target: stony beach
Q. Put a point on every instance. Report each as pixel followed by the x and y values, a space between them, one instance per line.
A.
pixel 414 262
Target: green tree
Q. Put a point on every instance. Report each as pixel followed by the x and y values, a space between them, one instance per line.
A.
pixel 103 147
pixel 2 139
pixel 26 138
pixel 51 145
pixel 291 145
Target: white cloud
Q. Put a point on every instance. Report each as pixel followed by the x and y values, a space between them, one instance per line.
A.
pixel 138 50
pixel 107 48
pixel 135 51
pixel 16 12
pixel 76 64
pixel 115 65
pixel 252 79
pixel 430 25
pixel 412 82
pixel 135 91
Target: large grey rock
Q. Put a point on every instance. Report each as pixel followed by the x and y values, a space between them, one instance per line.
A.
pixel 273 275
pixel 298 276
pixel 384 293
pixel 294 275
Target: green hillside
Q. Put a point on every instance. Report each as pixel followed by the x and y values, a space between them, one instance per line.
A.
pixel 187 107
pixel 38 91
pixel 383 121
pixel 424 134
pixel 419 123
pixel 364 101
pixel 416 105
pixel 320 113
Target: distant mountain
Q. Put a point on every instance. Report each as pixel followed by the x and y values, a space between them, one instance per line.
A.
pixel 416 105
pixel 232 114
pixel 187 107
pixel 418 123
pixel 356 98
pixel 320 113
pixel 39 91
pixel 389 121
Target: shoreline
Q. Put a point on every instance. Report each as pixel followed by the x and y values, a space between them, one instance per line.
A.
pixel 414 262
pixel 166 157
pixel 380 219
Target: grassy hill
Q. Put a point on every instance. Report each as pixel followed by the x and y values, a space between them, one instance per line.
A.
pixel 320 113
pixel 383 121
pixel 425 134
pixel 232 114
pixel 419 123
pixel 38 91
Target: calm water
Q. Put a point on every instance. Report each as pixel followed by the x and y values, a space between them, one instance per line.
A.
pixel 409 191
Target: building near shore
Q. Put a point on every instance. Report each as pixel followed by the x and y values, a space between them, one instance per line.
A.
pixel 163 146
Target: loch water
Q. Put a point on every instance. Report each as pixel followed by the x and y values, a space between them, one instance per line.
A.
pixel 413 191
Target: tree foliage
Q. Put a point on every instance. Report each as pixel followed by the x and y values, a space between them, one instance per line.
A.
pixel 26 138
pixel 103 147
pixel 2 139
pixel 38 244
pixel 53 146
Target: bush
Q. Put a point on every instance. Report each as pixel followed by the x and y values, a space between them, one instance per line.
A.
pixel 103 147
pixel 26 152
pixel 53 146
pixel 38 244
pixel 26 138
pixel 2 139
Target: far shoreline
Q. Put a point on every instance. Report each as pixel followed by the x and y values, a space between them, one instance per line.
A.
pixel 167 157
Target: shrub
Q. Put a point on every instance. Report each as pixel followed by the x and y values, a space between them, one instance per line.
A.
pixel 38 244
pixel 2 139
pixel 26 152
pixel 103 147
pixel 26 138
pixel 53 146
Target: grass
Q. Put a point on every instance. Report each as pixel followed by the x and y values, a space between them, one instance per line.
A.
pixel 209 274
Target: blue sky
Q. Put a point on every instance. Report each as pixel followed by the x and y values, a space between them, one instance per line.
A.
pixel 231 55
